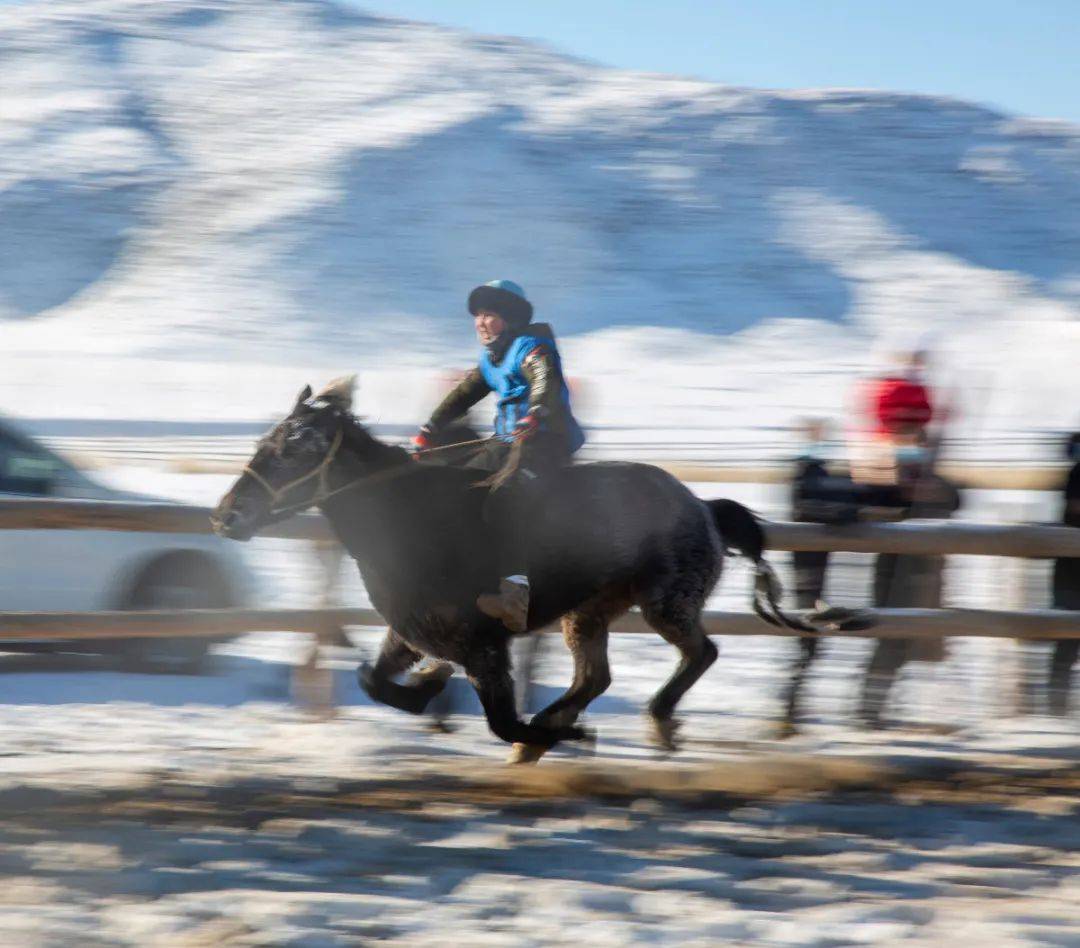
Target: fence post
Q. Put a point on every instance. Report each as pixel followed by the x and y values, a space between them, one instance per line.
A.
pixel 313 684
pixel 1020 688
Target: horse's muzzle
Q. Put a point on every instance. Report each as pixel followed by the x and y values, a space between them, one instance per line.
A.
pixel 232 525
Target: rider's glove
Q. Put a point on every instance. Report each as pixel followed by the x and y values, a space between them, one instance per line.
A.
pixel 423 439
pixel 527 426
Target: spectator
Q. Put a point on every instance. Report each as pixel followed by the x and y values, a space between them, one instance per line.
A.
pixel 900 400
pixel 810 503
pixel 895 412
pixel 895 462
pixel 907 581
pixel 816 497
pixel 1066 590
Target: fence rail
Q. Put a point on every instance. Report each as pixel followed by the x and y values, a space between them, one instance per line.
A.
pixel 930 537
pixel 1036 625
pixel 17 513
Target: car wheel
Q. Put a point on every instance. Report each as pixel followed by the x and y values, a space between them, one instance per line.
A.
pixel 176 581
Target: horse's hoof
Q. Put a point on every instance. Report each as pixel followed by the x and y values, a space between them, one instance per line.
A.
pixel 665 733
pixel 525 754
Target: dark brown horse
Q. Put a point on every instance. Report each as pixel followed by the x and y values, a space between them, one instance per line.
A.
pixel 606 537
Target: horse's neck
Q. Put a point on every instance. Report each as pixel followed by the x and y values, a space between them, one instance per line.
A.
pixel 394 511
pixel 376 455
pixel 358 497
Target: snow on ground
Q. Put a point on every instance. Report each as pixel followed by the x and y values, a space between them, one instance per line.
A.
pixel 179 810
pixel 147 823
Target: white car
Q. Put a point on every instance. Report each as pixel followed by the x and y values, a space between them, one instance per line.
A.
pixel 92 570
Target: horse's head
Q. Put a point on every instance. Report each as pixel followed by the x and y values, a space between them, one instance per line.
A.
pixel 291 467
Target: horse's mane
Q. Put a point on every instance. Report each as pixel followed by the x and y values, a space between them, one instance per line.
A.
pixel 365 445
pixel 357 438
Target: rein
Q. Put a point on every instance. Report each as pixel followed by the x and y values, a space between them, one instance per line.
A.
pixel 450 447
pixel 320 471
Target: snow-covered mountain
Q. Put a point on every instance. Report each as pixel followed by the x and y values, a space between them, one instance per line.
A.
pixel 291 181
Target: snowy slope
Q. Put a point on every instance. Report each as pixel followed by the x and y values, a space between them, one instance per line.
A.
pixel 291 182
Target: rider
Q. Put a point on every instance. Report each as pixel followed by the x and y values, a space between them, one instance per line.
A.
pixel 535 430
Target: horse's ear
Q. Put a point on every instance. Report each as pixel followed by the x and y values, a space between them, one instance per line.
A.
pixel 305 394
pixel 339 392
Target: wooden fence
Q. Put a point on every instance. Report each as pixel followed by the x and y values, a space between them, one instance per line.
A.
pixel 928 537
pixel 912 537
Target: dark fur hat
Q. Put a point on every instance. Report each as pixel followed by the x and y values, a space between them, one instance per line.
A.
pixel 504 297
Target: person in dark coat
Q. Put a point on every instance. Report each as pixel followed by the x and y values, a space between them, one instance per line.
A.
pixel 816 497
pixel 1066 589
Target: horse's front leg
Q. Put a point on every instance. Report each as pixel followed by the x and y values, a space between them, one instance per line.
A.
pixel 488 668
pixel 395 657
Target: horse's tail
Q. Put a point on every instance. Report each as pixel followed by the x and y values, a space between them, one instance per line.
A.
pixel 741 531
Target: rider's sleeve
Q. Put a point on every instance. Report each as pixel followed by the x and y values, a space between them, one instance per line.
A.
pixel 461 398
pixel 545 387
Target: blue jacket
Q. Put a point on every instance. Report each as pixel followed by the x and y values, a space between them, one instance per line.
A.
pixel 509 383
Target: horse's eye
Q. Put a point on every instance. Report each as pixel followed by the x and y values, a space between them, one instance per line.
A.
pixel 302 438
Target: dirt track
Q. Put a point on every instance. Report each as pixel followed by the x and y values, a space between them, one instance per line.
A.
pixel 773 847
pixel 1051 788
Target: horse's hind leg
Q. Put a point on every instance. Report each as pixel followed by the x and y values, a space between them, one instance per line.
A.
pixel 586 635
pixel 808 647
pixel 682 629
pixel 488 668
pixel 394 658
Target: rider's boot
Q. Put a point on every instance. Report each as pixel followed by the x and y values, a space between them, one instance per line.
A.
pixel 510 605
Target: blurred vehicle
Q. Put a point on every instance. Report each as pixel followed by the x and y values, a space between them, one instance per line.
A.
pixel 92 570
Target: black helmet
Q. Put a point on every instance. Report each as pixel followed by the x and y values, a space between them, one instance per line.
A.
pixel 506 298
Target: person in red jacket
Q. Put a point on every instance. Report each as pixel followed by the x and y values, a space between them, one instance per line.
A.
pixel 895 413
pixel 900 404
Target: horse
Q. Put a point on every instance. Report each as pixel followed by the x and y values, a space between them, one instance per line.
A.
pixel 607 536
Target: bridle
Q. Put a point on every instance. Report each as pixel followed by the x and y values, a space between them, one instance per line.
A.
pixel 322 490
pixel 321 472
